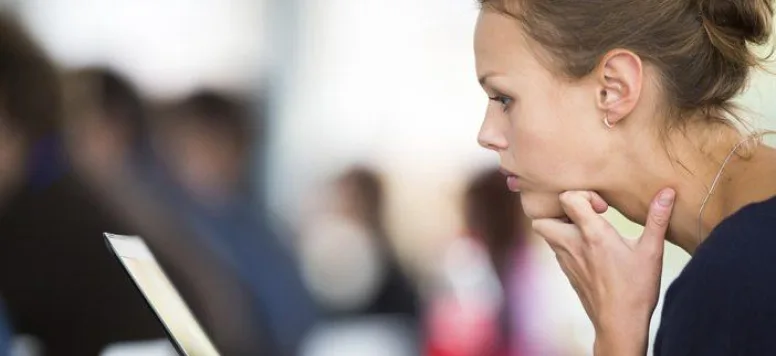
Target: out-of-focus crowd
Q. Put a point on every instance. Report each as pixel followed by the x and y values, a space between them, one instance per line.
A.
pixel 83 152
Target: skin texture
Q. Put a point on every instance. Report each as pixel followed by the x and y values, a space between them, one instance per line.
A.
pixel 549 131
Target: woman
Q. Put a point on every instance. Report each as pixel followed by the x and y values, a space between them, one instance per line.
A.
pixel 628 103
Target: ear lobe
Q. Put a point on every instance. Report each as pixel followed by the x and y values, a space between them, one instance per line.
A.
pixel 620 79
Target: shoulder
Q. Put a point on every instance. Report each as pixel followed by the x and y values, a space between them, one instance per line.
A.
pixel 725 294
pixel 740 252
pixel 742 246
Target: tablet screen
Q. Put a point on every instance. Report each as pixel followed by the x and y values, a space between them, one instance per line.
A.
pixel 161 295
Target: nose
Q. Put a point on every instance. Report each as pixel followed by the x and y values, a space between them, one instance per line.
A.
pixel 491 136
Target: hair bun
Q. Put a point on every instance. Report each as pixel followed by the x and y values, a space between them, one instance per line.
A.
pixel 747 20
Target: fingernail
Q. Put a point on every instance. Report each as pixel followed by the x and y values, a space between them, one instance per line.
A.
pixel 666 198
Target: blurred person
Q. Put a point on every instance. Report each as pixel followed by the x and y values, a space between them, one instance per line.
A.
pixel 205 143
pixel 369 281
pixel 107 135
pixel 629 103
pixel 107 122
pixel 465 304
pixel 483 318
pixel 495 219
pixel 202 147
pixel 58 283
pixel 533 315
pixel 30 102
pixel 352 271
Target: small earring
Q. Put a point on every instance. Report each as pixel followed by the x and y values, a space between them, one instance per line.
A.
pixel 606 121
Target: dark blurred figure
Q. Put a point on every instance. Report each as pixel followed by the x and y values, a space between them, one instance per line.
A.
pixel 205 144
pixel 59 283
pixel 107 135
pixel 204 147
pixel 106 121
pixel 30 102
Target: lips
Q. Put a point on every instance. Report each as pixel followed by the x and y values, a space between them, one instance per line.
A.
pixel 513 182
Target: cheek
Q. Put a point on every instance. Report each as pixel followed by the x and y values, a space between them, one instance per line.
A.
pixel 537 146
pixel 554 146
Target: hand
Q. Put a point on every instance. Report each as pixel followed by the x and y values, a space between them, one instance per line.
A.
pixel 616 279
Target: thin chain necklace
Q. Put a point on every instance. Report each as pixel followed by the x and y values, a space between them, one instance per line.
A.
pixel 719 175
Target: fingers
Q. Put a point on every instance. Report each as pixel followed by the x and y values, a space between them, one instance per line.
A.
pixel 580 206
pixel 558 234
pixel 600 205
pixel 657 220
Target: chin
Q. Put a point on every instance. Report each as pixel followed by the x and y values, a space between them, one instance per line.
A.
pixel 541 205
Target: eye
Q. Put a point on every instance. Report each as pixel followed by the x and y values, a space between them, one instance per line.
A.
pixel 503 100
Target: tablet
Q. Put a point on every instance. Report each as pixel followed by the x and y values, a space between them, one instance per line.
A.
pixel 185 332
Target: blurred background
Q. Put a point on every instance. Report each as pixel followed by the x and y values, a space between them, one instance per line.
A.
pixel 320 154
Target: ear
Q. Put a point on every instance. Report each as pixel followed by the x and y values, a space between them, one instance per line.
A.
pixel 620 77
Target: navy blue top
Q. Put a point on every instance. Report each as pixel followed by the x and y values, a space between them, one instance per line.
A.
pixel 724 301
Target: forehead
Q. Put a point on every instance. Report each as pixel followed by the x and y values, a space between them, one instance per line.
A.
pixel 500 45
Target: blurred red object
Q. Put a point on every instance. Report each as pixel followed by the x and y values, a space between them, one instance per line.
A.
pixel 457 329
pixel 464 316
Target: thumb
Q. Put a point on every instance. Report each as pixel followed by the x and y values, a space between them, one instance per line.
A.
pixel 657 220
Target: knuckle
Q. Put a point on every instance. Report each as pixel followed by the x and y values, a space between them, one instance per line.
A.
pixel 594 239
pixel 660 220
pixel 566 197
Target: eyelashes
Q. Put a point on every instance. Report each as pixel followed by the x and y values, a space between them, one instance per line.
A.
pixel 505 101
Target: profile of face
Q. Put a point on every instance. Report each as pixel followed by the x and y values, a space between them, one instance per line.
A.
pixel 549 130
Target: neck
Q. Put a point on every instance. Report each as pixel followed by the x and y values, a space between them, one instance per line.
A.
pixel 690 170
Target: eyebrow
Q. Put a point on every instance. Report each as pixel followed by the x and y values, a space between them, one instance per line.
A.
pixel 483 79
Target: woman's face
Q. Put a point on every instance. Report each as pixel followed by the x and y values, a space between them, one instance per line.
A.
pixel 547 130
